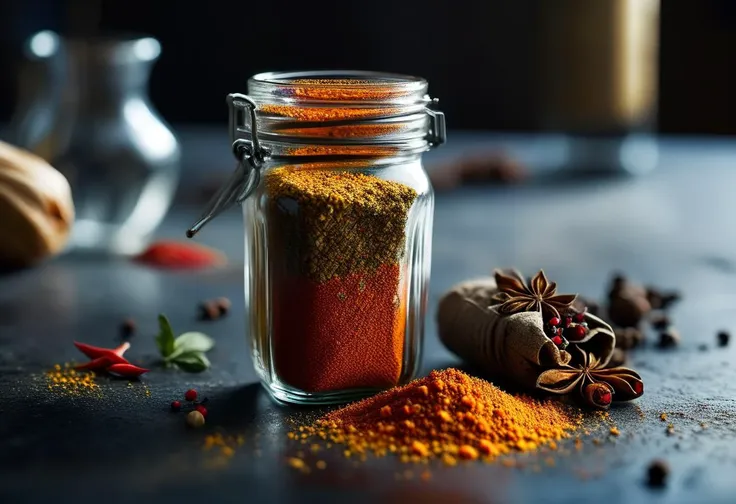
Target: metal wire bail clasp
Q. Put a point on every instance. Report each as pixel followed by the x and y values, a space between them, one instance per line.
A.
pixel 250 154
pixel 437 134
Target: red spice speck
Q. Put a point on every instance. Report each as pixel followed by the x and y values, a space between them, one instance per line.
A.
pixel 180 255
pixel 201 409
pixel 175 405
pixel 190 395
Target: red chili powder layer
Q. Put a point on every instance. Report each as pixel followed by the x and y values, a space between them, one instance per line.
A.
pixel 336 334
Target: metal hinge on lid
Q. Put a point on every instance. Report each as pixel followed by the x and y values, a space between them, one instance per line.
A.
pixel 437 134
pixel 250 155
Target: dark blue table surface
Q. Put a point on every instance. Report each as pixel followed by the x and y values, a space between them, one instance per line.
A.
pixel 674 228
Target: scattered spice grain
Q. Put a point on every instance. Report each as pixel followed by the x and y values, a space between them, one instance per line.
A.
pixel 65 379
pixel 450 416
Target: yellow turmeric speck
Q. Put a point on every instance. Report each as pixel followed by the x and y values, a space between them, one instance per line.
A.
pixel 296 463
pixel 614 431
pixel 468 452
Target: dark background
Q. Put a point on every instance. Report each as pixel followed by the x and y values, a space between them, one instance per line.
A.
pixel 479 56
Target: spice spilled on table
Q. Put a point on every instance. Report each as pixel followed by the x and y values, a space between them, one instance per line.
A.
pixel 448 416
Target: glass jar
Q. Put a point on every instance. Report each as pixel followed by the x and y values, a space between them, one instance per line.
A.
pixel 338 223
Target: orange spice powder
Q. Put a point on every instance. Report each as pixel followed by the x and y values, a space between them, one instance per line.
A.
pixel 317 114
pixel 448 416
pixel 351 131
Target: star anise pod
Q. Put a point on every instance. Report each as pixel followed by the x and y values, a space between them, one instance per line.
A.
pixel 515 295
pixel 586 370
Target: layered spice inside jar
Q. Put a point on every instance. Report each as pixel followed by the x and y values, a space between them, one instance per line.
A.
pixel 338 231
pixel 339 293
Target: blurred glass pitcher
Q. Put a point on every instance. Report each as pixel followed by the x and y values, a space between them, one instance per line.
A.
pixel 84 108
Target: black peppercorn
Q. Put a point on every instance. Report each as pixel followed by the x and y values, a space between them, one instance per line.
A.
pixel 660 321
pixel 127 328
pixel 669 338
pixel 723 338
pixel 657 473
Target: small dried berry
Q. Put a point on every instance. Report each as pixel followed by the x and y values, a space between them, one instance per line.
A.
pixel 223 304
pixel 175 405
pixel 580 332
pixel 195 419
pixel 580 317
pixel 568 321
pixel 598 395
pixel 554 321
pixel 127 328
pixel 669 338
pixel 201 409
pixel 723 338
pixel 657 473
pixel 209 310
pixel 557 340
pixel 190 395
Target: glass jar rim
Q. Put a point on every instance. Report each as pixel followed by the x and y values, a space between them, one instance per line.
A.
pixel 340 78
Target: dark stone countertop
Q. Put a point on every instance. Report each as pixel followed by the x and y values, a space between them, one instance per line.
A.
pixel 673 228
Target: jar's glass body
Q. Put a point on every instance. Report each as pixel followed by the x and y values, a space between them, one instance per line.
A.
pixel 338 224
pixel 337 270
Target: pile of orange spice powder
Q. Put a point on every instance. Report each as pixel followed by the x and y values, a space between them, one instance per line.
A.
pixel 447 416
pixel 338 284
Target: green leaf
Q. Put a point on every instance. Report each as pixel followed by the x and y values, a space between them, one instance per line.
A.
pixel 191 342
pixel 192 362
pixel 165 338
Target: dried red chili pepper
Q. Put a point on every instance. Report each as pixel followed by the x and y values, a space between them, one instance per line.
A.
pixel 93 352
pixel 172 254
pixel 127 370
pixel 95 364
